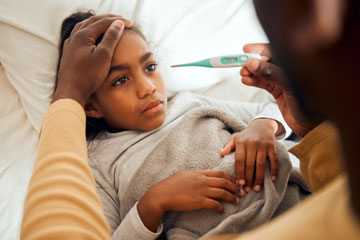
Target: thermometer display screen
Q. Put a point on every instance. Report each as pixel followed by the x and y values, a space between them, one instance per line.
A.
pixel 230 60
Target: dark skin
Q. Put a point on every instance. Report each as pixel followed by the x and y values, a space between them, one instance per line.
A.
pixel 187 191
pixel 317 43
pixel 252 146
pixel 84 66
pixel 269 76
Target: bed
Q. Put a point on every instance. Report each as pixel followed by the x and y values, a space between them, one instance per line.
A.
pixel 179 31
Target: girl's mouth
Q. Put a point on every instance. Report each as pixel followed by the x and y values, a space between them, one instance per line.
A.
pixel 153 107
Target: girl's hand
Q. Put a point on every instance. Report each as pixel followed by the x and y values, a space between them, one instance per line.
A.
pixel 187 191
pixel 252 146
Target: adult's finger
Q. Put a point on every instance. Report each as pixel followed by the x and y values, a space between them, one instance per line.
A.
pixel 86 22
pixel 100 27
pixel 222 183
pixel 274 164
pixel 260 169
pixel 240 155
pixel 266 71
pixel 110 39
pixel 275 89
pixel 95 18
pixel 260 48
pixel 106 20
pixel 112 17
pixel 245 72
pixel 221 194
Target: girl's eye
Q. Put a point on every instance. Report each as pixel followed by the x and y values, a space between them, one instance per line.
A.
pixel 151 67
pixel 119 81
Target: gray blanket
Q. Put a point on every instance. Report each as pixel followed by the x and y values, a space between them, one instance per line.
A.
pixel 195 143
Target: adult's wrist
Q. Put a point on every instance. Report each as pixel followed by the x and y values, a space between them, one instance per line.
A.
pixel 69 94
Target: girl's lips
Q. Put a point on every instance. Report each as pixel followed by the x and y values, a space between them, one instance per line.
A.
pixel 153 107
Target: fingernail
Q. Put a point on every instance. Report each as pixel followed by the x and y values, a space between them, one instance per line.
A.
pixel 257 188
pixel 237 200
pixel 242 193
pixel 131 22
pixel 119 23
pixel 273 178
pixel 247 189
pixel 242 182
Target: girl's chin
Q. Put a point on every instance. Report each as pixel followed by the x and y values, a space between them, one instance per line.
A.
pixel 155 123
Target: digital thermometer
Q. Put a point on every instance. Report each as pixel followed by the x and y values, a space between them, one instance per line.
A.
pixel 223 61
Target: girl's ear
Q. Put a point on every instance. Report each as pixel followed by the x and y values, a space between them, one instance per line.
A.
pixel 92 109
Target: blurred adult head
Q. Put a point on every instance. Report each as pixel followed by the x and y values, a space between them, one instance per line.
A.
pixel 317 42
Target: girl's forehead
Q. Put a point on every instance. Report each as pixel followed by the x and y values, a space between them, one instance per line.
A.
pixel 131 42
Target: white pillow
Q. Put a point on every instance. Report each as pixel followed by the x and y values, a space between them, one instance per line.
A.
pixel 17 154
pixel 181 31
pixel 28 48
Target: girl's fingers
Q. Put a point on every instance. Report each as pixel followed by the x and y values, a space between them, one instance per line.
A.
pixel 250 165
pixel 218 174
pixel 213 204
pixel 221 194
pixel 222 183
pixel 241 191
pixel 228 148
pixel 260 169
pixel 240 155
pixel 273 163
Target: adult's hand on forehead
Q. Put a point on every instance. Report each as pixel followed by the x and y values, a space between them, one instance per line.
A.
pixel 84 66
pixel 102 17
pixel 266 75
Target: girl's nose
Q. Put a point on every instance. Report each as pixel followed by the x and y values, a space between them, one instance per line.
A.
pixel 145 87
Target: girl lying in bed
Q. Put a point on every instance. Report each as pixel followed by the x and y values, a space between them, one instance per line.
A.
pixel 162 167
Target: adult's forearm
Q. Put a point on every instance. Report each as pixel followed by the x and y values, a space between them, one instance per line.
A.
pixel 61 202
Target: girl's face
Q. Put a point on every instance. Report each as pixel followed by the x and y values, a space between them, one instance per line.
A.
pixel 133 96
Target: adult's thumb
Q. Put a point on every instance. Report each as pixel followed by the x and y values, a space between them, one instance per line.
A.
pixel 264 70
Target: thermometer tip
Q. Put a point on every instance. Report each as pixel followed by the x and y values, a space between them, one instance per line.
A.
pixel 174 66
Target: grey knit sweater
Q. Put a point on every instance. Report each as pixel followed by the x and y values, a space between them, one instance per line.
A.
pixel 115 159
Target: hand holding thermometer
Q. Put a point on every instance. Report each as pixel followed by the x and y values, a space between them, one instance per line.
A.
pixel 223 61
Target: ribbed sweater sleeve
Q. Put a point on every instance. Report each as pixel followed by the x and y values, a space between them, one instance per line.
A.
pixel 61 202
pixel 320 156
